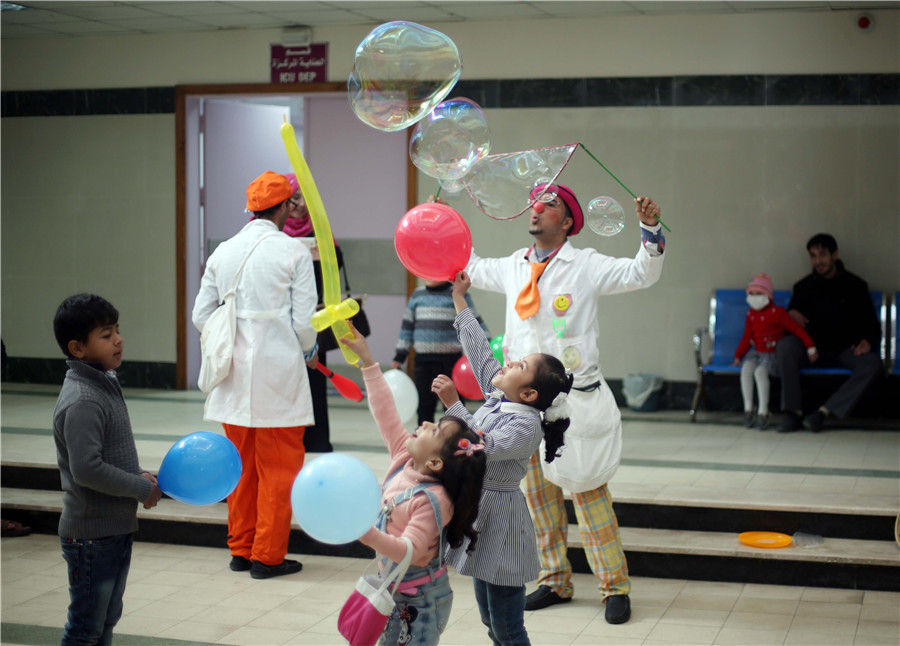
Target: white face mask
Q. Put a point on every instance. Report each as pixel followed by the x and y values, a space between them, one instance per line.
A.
pixel 757 301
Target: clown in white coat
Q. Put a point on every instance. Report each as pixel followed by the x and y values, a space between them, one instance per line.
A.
pixel 552 292
pixel 264 403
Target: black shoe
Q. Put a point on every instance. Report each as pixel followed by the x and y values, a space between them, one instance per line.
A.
pixel 618 609
pixel 544 597
pixel 319 448
pixel 748 419
pixel 813 422
pixel 239 564
pixel 792 422
pixel 263 571
pixel 762 422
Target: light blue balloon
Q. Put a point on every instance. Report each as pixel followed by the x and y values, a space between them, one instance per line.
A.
pixel 200 469
pixel 336 498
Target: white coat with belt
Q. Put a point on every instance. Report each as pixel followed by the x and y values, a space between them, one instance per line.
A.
pixel 566 327
pixel 275 300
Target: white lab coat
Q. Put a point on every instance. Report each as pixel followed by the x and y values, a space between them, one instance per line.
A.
pixel 276 298
pixel 569 288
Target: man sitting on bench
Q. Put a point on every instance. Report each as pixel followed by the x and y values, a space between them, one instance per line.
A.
pixel 835 308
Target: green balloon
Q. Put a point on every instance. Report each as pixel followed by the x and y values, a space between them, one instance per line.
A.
pixel 497 348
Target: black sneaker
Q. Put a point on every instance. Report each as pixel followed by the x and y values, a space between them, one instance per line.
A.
pixel 618 609
pixel 262 571
pixel 748 419
pixel 813 422
pixel 762 422
pixel 240 564
pixel 792 422
pixel 544 597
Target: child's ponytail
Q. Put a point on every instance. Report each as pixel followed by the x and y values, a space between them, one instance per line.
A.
pixel 553 383
pixel 463 477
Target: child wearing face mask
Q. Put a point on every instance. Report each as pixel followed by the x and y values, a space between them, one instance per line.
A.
pixel 766 324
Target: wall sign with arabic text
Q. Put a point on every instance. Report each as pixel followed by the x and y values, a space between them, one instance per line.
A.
pixel 308 64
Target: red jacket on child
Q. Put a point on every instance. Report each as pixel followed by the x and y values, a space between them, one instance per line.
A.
pixel 765 327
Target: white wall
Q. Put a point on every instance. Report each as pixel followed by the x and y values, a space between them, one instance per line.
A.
pixel 88 202
pixel 809 42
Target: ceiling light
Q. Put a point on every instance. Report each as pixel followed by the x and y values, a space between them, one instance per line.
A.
pixel 296 37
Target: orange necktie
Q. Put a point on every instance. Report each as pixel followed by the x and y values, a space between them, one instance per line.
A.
pixel 529 299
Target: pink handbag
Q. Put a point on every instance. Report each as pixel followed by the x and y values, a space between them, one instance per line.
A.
pixel 366 612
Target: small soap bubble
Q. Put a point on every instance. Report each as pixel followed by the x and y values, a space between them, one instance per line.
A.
pixel 605 216
pixel 450 139
pixel 451 186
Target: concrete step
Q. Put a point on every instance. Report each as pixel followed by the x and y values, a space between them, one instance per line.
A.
pixel 666 553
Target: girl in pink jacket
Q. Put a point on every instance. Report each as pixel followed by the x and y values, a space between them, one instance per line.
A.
pixel 430 497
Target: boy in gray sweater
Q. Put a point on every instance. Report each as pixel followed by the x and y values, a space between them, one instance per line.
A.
pixel 102 481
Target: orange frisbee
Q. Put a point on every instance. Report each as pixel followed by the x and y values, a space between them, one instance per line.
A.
pixel 765 539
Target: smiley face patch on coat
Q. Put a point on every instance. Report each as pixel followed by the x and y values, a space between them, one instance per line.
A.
pixel 571 357
pixel 562 303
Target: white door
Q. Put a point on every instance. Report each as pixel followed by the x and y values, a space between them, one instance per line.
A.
pixel 241 141
pixel 231 144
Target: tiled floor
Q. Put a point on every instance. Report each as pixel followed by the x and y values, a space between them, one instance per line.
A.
pixel 188 593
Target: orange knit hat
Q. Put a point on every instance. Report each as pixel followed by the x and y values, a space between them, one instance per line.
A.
pixel 268 190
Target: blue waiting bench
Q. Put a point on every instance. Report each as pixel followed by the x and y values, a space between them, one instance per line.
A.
pixel 727 316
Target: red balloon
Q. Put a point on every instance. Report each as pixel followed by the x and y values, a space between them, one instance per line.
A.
pixel 464 379
pixel 433 241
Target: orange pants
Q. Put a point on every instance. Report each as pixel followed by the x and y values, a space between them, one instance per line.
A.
pixel 259 509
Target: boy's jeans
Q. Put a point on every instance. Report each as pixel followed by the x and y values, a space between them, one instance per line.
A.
pixel 502 610
pixel 98 569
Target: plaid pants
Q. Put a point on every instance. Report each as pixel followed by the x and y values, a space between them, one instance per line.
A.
pixel 599 532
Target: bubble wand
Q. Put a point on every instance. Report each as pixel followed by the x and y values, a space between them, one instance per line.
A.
pixel 335 312
pixel 659 219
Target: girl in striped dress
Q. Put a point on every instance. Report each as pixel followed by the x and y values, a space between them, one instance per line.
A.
pixel 524 403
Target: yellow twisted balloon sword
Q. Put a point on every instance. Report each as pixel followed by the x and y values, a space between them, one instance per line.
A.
pixel 335 312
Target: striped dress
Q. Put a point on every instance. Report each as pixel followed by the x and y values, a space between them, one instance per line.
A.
pixel 506 551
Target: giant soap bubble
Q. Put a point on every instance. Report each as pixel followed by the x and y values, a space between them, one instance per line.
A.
pixel 336 498
pixel 450 139
pixel 401 71
pixel 605 216
pixel 500 184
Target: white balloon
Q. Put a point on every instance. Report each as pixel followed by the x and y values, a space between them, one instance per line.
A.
pixel 406 398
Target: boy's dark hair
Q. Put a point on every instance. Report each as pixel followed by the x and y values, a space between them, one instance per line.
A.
pixel 824 240
pixel 462 477
pixel 550 379
pixel 269 212
pixel 79 315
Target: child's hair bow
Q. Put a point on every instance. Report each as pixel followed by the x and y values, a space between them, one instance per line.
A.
pixel 468 448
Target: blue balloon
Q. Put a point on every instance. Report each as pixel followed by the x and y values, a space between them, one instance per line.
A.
pixel 336 498
pixel 200 469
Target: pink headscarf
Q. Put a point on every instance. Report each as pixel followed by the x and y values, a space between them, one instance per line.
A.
pixel 299 227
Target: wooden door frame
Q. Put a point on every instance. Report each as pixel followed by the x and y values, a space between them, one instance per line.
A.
pixel 182 92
